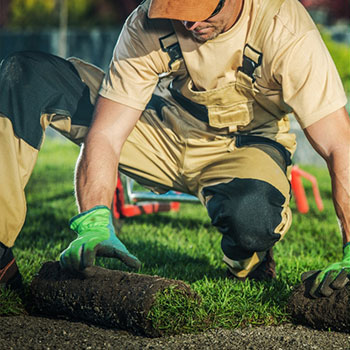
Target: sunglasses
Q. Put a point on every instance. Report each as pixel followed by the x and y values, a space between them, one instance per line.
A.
pixel 218 8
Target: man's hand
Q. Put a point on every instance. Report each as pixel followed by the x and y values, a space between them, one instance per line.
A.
pixel 335 276
pixel 96 237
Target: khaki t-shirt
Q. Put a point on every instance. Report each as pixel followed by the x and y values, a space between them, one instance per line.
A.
pixel 297 72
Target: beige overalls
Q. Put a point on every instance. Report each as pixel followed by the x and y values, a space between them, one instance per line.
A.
pixel 173 149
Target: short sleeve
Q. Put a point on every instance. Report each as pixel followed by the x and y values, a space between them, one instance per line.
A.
pixel 310 82
pixel 137 61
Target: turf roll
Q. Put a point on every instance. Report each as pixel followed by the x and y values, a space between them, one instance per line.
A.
pixel 110 298
pixel 323 313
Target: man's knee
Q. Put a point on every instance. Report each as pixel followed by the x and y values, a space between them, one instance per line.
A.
pixel 246 212
pixel 35 84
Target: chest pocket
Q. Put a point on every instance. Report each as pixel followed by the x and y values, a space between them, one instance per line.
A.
pixel 228 106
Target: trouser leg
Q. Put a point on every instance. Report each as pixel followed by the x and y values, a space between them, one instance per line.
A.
pixel 251 209
pixel 17 160
pixel 252 216
pixel 36 90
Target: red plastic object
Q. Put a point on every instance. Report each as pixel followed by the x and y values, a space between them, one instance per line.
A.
pixel 122 210
pixel 148 208
pixel 299 192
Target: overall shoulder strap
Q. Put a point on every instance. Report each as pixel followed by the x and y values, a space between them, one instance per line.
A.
pixel 252 54
pixel 170 44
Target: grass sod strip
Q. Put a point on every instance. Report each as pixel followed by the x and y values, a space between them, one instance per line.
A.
pixel 176 245
pixel 224 304
pixel 173 312
pixel 109 298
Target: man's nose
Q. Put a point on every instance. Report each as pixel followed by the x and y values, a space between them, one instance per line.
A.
pixel 190 25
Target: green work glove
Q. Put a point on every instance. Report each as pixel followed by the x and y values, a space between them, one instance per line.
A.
pixel 96 237
pixel 335 276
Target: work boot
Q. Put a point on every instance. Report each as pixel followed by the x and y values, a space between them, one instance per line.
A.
pixel 266 271
pixel 9 274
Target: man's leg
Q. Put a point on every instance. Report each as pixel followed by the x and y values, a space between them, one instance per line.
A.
pixel 17 160
pixel 251 209
pixel 36 90
pixel 243 182
pixel 252 216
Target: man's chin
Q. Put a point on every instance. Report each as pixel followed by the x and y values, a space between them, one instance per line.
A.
pixel 202 38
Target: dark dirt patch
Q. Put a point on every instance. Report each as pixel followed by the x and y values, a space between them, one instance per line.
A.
pixel 322 313
pixel 38 333
pixel 110 298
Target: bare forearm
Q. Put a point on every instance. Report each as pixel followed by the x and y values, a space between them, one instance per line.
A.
pixel 97 167
pixel 96 176
pixel 331 139
pixel 339 169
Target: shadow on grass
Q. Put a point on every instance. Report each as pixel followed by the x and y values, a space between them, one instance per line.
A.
pixel 276 291
pixel 158 259
pixel 51 228
pixel 173 221
pixel 44 228
pixel 40 201
pixel 314 213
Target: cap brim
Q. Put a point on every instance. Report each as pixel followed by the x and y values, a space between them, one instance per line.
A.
pixel 183 10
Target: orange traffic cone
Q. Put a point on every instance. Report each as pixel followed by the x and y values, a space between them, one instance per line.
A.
pixel 299 192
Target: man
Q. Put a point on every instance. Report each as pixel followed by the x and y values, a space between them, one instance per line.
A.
pixel 195 100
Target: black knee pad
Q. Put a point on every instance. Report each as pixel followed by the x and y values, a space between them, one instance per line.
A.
pixel 34 83
pixel 246 212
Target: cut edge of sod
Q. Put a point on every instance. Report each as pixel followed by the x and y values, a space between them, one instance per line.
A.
pixel 174 311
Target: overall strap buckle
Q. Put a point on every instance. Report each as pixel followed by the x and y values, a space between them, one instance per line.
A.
pixel 170 44
pixel 252 59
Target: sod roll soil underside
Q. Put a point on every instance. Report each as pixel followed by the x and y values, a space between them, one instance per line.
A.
pixel 324 313
pixel 109 298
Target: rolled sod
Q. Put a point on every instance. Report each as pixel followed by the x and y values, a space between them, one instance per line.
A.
pixel 323 313
pixel 109 298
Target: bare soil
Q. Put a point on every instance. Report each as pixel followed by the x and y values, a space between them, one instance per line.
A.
pixel 29 332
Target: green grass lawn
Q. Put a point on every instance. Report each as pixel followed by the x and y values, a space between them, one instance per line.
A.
pixel 179 245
